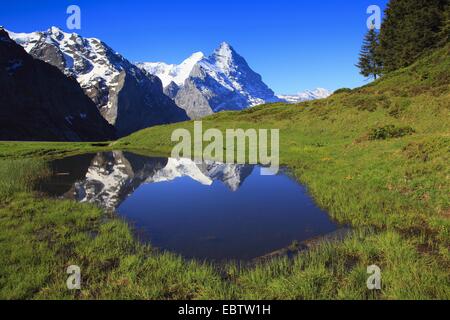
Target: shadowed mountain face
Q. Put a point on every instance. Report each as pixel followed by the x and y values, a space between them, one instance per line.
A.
pixel 39 103
pixel 107 179
pixel 127 97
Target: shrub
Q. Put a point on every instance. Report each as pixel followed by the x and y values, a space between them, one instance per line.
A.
pixel 399 107
pixel 367 102
pixel 342 90
pixel 390 131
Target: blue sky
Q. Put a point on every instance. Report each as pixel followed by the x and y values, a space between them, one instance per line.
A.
pixel 294 44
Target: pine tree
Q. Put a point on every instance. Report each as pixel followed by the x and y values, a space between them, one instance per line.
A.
pixel 444 35
pixel 410 27
pixel 369 61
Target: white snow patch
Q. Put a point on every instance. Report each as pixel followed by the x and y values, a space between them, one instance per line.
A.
pixel 308 95
pixel 172 72
pixel 177 168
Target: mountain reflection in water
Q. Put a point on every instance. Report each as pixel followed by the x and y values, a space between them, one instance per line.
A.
pixel 108 178
pixel 211 210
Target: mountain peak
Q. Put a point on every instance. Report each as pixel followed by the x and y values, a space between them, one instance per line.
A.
pixel 196 56
pixel 204 85
pixel 307 95
pixel 176 73
pixel 225 45
pixel 225 58
pixel 55 31
pixel 187 65
pixel 92 62
pixel 54 108
pixel 224 50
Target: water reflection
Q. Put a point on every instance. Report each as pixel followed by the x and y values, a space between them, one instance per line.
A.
pixel 108 178
pixel 208 211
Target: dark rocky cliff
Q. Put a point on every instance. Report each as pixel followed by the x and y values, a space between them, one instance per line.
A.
pixel 39 103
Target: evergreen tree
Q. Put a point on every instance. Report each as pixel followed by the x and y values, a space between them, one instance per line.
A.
pixel 410 27
pixel 369 61
pixel 444 36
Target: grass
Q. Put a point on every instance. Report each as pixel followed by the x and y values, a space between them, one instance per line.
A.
pixel 394 192
pixel 47 150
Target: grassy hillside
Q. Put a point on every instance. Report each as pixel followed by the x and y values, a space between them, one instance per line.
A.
pixel 376 158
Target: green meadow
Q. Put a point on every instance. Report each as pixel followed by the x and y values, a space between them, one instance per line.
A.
pixel 376 158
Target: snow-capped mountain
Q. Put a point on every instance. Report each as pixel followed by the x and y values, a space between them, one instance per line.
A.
pixel 38 102
pixel 172 72
pixel 222 81
pixel 113 176
pixel 232 175
pixel 307 95
pixel 127 97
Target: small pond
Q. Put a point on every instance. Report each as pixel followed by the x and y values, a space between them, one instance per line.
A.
pixel 208 211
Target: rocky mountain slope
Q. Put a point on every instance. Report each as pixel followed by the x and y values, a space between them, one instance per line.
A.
pixel 127 97
pixel 38 102
pixel 205 85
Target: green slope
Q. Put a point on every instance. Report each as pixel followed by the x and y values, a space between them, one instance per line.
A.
pixel 332 146
pixel 394 192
